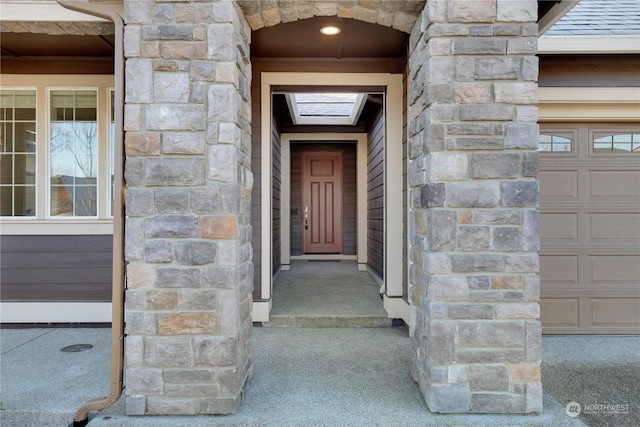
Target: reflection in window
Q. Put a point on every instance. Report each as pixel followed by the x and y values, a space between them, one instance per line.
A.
pixel 554 143
pixel 17 152
pixel 73 153
pixel 621 143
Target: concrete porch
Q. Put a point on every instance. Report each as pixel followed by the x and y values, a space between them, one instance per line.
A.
pixel 313 377
pixel 326 294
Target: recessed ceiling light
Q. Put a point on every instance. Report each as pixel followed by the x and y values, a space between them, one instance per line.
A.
pixel 330 30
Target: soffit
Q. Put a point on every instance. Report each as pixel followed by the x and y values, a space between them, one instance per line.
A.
pixel 50 36
pixel 302 39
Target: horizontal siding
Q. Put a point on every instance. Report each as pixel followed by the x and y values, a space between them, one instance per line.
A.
pixel 56 268
pixel 375 194
pixel 276 196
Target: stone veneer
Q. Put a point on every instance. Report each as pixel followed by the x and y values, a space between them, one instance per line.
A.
pixel 474 226
pixel 187 244
pixel 473 137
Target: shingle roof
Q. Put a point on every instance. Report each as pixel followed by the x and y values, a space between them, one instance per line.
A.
pixel 599 17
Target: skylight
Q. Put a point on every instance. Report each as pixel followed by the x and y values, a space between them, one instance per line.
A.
pixel 325 108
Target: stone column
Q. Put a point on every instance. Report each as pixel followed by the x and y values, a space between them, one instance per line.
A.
pixel 474 191
pixel 187 243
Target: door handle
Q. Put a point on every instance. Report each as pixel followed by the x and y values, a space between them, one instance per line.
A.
pixel 306 217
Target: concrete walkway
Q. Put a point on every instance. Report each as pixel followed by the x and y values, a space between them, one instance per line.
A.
pixel 314 377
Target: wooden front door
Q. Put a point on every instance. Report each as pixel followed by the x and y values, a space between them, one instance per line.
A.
pixel 322 202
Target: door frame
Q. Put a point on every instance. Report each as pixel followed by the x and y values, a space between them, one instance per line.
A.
pixel 393 228
pixel 360 139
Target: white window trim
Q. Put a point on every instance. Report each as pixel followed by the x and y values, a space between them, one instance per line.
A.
pixel 41 223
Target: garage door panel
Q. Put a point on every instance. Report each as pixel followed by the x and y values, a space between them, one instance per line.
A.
pixel 559 269
pixel 615 311
pixel 614 269
pixel 614 184
pixel 559 312
pixel 559 185
pixel 614 226
pixel 559 226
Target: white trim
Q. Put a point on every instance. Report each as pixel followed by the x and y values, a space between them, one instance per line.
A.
pixel 393 162
pixel 361 179
pixel 49 11
pixel 620 104
pixel 565 95
pixel 397 308
pixel 260 311
pixel 607 44
pixel 55 312
pixel 393 187
pixel 358 105
pixel 266 235
pixel 55 228
pixel 554 14
pixel 323 257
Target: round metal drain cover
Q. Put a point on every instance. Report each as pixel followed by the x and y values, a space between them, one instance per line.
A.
pixel 76 348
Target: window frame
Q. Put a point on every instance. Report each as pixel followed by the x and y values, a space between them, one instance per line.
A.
pixel 597 132
pixel 37 156
pixel 43 222
pixel 570 133
pixel 99 179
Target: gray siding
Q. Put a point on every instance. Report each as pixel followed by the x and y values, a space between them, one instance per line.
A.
pixel 276 177
pixel 375 194
pixel 56 268
pixel 589 70
pixel 350 207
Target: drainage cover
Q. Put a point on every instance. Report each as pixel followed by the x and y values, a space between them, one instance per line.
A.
pixel 76 348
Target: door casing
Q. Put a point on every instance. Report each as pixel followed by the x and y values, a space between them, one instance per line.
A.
pixel 395 306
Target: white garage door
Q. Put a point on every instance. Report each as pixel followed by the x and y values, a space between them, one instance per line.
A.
pixel 590 229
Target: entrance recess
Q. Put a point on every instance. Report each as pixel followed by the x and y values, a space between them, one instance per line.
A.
pixel 393 203
pixel 322 203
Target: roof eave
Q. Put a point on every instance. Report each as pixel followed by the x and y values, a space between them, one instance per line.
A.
pixel 554 14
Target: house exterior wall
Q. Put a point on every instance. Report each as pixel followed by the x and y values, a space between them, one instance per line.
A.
pixel 474 225
pixel 473 229
pixel 65 268
pixel 187 237
pixel 375 194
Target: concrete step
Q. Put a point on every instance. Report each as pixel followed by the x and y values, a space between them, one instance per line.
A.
pixel 327 321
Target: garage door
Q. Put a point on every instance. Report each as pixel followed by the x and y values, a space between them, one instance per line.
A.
pixel 590 229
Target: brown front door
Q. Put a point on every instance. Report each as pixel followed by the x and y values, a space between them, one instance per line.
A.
pixel 322 202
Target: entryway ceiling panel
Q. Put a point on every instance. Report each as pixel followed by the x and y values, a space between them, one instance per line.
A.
pixel 302 39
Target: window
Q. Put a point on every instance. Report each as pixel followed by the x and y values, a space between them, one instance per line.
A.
pixel 56 158
pixel 554 143
pixel 73 150
pixel 325 108
pixel 616 143
pixel 18 153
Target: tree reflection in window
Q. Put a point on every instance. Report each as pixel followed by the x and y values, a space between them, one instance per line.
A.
pixel 617 143
pixel 554 143
pixel 73 153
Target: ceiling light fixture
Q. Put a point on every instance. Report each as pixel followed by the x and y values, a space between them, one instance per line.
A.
pixel 330 30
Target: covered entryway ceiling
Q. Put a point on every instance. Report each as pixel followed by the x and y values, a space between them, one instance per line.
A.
pixel 302 39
